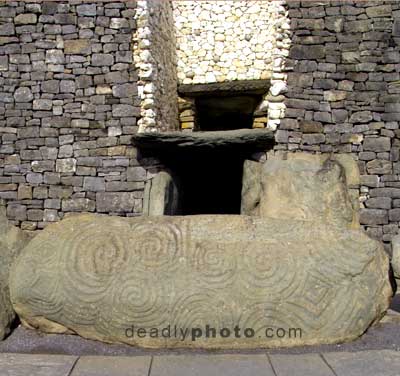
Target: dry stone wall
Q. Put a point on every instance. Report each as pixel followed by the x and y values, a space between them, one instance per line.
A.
pixel 68 109
pixel 155 59
pixel 343 96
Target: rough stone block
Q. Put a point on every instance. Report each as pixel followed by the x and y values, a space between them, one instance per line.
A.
pixel 100 60
pixel 98 275
pixel 309 187
pixel 376 144
pixel 66 165
pixel 12 240
pixel 125 110
pixel 42 104
pixel 137 173
pixel 161 195
pixel 3 63
pixel 251 188
pixel 374 217
pixel 118 202
pixel 77 46
pixel 94 184
pixel 86 10
pixel 78 205
pixel 55 57
pixel 396 255
pixel 7 29
pixel 379 203
pixel 379 166
pixel 23 95
pixel 25 18
pixel 307 52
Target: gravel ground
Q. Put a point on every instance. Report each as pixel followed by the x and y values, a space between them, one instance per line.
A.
pixel 385 335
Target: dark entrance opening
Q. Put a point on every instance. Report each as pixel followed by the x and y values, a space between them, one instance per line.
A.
pixel 220 113
pixel 209 182
pixel 203 170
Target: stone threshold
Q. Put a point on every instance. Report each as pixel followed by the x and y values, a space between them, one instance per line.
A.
pixel 260 139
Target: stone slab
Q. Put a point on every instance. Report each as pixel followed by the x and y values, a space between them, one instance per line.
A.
pixel 396 255
pixel 36 365
pixel 105 278
pixel 305 364
pixel 251 188
pixel 303 186
pixel 112 366
pixel 161 195
pixel 224 88
pixel 211 365
pixel 174 141
pixel 365 363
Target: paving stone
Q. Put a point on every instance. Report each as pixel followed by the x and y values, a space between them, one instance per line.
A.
pixel 305 364
pixel 365 363
pixel 36 365
pixel 211 365
pixel 119 366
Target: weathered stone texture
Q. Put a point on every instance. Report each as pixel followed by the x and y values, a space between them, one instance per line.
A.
pixel 12 240
pixel 97 276
pixel 310 187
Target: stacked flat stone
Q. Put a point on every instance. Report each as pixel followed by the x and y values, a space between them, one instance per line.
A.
pixel 187 113
pixel 68 108
pixel 155 59
pixel 343 94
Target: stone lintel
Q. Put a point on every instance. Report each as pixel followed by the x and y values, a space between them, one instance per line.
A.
pixel 256 87
pixel 173 141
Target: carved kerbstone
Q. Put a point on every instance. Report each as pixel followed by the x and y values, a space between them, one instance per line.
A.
pixel 98 276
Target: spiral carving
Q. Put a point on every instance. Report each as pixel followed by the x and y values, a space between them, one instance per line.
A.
pixel 156 247
pixel 213 264
pixel 98 275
